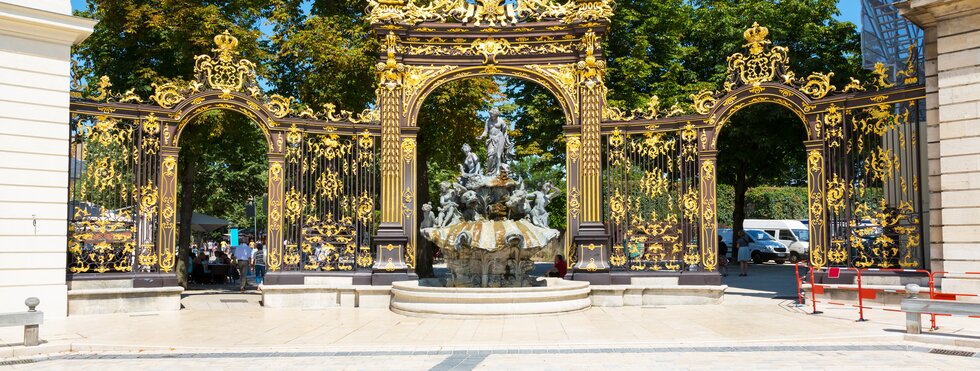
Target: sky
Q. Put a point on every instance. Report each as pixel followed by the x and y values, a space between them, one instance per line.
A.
pixel 850 10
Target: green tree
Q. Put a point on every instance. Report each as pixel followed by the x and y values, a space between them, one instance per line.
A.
pixel 323 52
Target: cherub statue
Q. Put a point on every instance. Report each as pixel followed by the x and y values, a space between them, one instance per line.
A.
pixel 471 164
pixel 518 204
pixel 539 214
pixel 448 207
pixel 428 217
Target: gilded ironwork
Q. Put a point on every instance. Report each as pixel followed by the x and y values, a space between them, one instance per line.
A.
pixel 488 13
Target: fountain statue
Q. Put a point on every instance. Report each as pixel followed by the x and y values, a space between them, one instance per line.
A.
pixel 489 225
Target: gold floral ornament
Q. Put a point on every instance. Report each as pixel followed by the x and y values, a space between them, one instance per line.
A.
pixel 759 65
pixel 365 208
pixel 617 207
pixel 591 70
pixel 573 147
pixel 390 71
pixel 225 73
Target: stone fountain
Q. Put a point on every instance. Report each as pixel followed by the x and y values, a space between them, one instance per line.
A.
pixel 489 225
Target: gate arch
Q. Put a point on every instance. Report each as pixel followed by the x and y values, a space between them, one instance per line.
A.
pixel 554 87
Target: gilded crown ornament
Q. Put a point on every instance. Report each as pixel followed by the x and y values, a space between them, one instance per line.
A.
pixel 756 37
pixel 225 74
pixel 227 46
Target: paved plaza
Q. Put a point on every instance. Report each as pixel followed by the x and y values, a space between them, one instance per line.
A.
pixel 755 328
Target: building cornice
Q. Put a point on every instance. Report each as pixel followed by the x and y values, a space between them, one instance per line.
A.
pixel 29 23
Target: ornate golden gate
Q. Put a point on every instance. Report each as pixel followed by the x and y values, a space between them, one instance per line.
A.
pixel 863 153
pixel 322 177
pixel 641 184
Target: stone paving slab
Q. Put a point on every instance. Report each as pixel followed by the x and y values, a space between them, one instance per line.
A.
pixel 736 357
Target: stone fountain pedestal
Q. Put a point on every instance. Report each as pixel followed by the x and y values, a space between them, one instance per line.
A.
pixel 555 296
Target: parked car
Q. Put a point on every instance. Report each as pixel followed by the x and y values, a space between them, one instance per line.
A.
pixel 792 233
pixel 763 246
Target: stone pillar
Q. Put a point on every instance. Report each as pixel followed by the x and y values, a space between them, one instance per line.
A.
pixel 952 52
pixel 35 59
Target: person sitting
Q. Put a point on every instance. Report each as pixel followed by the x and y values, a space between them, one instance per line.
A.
pixel 560 268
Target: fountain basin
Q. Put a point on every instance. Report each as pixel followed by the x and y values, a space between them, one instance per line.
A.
pixel 557 297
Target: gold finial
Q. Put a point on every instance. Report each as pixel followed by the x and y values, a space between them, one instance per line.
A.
pixel 756 36
pixel 226 45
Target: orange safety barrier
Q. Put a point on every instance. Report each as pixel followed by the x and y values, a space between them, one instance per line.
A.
pixel 872 294
pixel 818 288
pixel 800 298
pixel 945 295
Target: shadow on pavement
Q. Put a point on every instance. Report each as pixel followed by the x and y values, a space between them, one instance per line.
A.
pixel 764 280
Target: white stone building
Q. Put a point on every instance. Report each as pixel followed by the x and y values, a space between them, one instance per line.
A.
pixel 36 37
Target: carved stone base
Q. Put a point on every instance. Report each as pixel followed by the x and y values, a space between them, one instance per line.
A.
pixel 389 246
pixel 592 248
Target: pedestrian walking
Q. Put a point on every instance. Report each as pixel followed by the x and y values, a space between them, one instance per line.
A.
pixel 243 255
pixel 744 253
pixel 258 263
pixel 722 257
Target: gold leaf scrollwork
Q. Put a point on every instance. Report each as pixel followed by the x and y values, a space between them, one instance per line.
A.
pixel 365 208
pixel 617 207
pixel 704 101
pixel 294 205
pixel 574 205
pixel 691 207
pixel 166 95
pixel 390 71
pixel 834 120
pixel 279 106
pixel 148 200
pixel 836 195
pixel 880 79
pixel 838 251
pixel 818 85
pixel 103 87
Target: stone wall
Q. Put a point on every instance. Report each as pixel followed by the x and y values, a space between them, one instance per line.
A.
pixel 35 45
pixel 952 51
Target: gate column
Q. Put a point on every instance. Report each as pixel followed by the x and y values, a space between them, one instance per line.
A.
pixel 592 240
pixel 391 239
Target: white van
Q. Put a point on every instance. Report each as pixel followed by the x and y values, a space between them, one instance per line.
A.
pixel 792 233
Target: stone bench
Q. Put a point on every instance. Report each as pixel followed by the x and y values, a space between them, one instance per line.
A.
pixel 319 296
pixel 124 300
pixel 647 294
pixel 915 308
pixel 31 320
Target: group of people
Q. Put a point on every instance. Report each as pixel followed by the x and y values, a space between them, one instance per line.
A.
pixel 743 256
pixel 214 263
